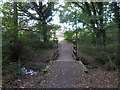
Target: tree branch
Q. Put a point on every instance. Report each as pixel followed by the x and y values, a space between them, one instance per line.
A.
pixel 79 6
pixel 27 12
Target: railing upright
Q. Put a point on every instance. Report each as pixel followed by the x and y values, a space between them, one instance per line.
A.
pixel 75 50
pixel 56 49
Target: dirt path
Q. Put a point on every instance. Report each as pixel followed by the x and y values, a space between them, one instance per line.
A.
pixel 65 72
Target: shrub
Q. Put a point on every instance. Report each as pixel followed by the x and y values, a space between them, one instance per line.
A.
pixel 107 55
pixel 110 65
pixel 46 45
pixel 101 57
pixel 69 36
pixel 10 72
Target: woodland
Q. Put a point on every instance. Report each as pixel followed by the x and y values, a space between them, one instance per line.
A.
pixel 27 33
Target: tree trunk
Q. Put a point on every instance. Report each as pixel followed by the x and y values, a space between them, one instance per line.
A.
pixel 45 36
pixel 94 33
pixel 15 19
pixel 116 11
pixel 102 35
pixel 92 23
pixel 15 48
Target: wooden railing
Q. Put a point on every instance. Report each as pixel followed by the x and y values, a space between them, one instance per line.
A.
pixel 75 50
pixel 56 49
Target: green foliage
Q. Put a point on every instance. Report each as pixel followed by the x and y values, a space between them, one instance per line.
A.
pixel 69 36
pixel 93 17
pixel 54 38
pixel 102 57
pixel 43 14
pixel 46 45
pixel 24 48
pixel 110 65
pixel 85 36
pixel 12 67
pixel 26 42
pixel 19 44
pixel 11 72
pixel 108 55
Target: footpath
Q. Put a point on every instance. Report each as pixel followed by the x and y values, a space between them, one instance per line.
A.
pixel 65 72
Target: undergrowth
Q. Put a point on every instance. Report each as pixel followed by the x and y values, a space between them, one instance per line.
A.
pixel 22 51
pixel 106 55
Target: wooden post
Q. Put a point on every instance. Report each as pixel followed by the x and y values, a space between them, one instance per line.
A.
pixel 75 50
pixel 56 49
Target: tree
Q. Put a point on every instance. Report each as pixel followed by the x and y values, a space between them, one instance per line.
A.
pixel 10 30
pixel 116 11
pixel 15 41
pixel 43 13
pixel 91 14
